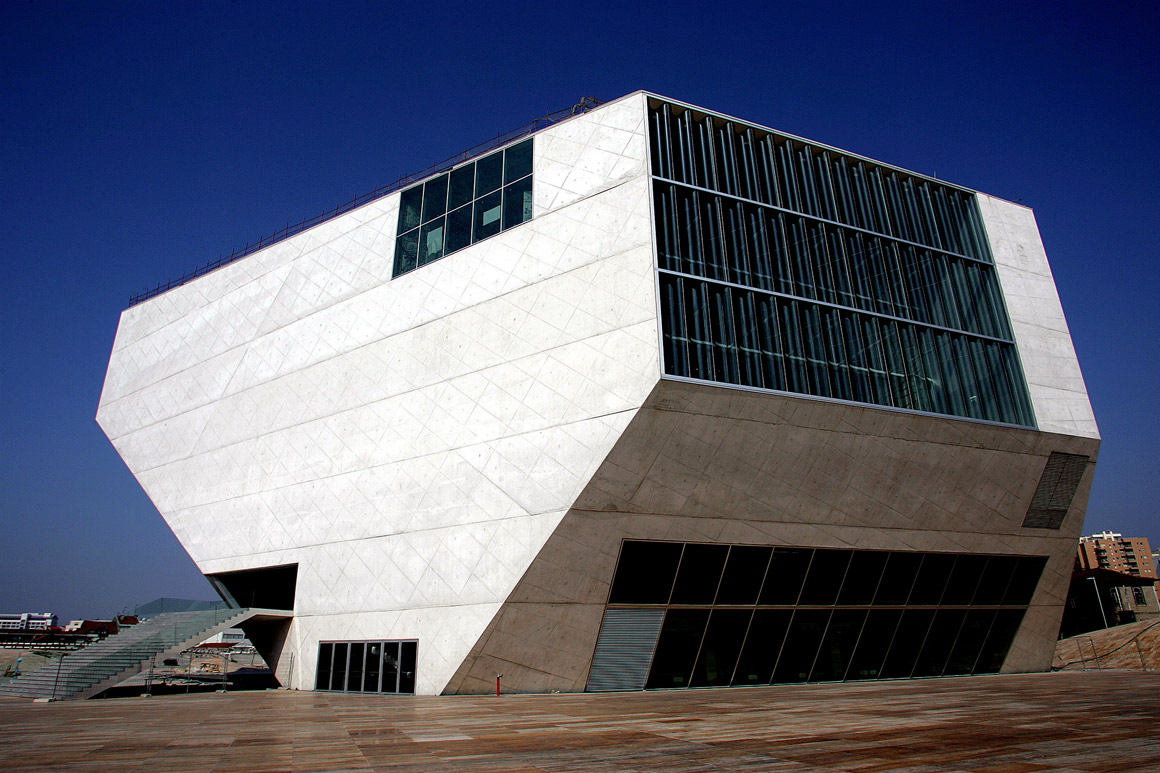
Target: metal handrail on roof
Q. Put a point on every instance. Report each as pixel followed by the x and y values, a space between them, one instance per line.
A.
pixel 583 106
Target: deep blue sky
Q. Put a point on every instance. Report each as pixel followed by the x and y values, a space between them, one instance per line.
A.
pixel 138 141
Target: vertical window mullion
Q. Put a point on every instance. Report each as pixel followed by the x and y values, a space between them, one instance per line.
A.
pixel 712 236
pixel 823 265
pixel 697 330
pixel 766 152
pixel 876 362
pixel 758 247
pixel 779 238
pixel 662 141
pixel 772 346
pixel 746 336
pixel 813 333
pixel 838 356
pixel 844 264
pixel 721 333
pixel 797 372
pixel 789 186
pixel 668 231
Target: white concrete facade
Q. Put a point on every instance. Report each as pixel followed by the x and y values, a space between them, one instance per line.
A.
pixel 414 444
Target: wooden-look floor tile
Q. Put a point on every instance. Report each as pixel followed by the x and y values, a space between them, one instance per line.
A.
pixel 1077 721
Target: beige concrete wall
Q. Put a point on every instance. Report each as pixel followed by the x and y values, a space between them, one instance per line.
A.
pixel 709 464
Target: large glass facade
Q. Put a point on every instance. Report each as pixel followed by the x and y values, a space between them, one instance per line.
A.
pixel 790 266
pixel 748 615
pixel 459 208
pixel 366 666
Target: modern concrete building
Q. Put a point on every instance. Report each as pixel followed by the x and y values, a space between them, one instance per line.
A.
pixel 652 397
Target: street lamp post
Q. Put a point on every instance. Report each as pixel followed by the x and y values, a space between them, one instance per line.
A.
pixel 1099 600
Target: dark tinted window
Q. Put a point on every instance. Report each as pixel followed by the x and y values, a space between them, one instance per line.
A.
pixel 325 653
pixel 722 645
pixel 837 647
pixel 458 229
pixel 462 186
pixel 965 576
pixel 645 572
pixel 897 579
pixel 762 646
pixel 354 673
pixel 801 645
pixel 1024 579
pixel 517 203
pixel 472 195
pixel 862 578
pixel 813 620
pixel 907 643
pixel 338 673
pixel 936 649
pixel 999 639
pixel 431 241
pixel 996 576
pixel 825 578
pixel 435 198
pixel 373 666
pixel 488 220
pixel 410 208
pixel 517 161
pixel 972 636
pixel 744 572
pixel 407 652
pixel 390 668
pixel 932 578
pixel 874 643
pixel 406 247
pixel 699 575
pixel 488 174
pixel 787 572
pixel 677 647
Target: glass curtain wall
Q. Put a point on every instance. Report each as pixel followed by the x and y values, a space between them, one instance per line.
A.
pixel 748 615
pixel 366 666
pixel 789 266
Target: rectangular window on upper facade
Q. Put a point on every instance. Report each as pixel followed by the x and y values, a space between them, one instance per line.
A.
pixel 459 208
pixel 788 266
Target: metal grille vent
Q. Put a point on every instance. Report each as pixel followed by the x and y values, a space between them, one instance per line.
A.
pixel 1057 485
pixel 624 649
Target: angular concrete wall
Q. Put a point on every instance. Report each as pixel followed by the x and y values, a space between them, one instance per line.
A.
pixel 410 443
pixel 706 464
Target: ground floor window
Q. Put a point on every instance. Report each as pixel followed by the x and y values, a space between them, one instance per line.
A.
pixel 699 615
pixel 367 666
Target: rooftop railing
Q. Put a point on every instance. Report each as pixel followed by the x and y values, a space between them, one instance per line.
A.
pixel 583 106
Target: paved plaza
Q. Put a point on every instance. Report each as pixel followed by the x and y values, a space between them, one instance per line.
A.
pixel 1082 721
